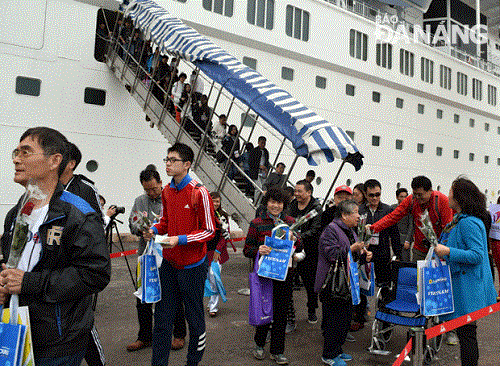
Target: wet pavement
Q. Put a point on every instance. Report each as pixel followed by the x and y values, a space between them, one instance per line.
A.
pixel 230 338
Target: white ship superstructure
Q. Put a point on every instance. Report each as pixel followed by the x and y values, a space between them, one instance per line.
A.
pixel 411 108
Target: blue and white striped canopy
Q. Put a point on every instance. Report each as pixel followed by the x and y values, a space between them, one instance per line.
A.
pixel 312 136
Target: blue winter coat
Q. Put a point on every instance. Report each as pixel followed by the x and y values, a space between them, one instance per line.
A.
pixel 471 277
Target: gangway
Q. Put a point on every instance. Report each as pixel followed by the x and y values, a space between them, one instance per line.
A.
pixel 227 94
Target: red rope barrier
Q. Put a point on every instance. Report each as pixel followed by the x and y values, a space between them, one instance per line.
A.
pixel 403 354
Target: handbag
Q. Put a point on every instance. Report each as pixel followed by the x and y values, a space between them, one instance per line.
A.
pixel 260 308
pixel 275 264
pixel 149 287
pixel 336 283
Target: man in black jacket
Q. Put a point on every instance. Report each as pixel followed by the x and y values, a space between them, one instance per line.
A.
pixel 65 259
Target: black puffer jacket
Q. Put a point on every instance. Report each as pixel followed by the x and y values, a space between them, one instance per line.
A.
pixel 73 266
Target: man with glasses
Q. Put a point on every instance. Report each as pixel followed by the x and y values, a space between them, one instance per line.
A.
pixel 149 202
pixel 189 220
pixel 423 198
pixel 380 244
pixel 65 259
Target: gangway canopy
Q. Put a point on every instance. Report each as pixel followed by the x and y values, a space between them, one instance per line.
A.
pixel 312 137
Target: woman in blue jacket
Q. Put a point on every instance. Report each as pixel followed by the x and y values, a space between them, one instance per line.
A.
pixel 464 247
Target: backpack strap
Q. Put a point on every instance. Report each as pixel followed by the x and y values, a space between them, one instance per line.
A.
pixel 436 208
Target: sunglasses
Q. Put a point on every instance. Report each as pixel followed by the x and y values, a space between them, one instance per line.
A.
pixel 374 194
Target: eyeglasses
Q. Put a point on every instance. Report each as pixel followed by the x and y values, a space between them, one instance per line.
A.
pixel 23 153
pixel 374 194
pixel 171 160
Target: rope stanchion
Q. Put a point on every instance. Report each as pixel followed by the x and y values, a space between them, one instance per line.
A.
pixel 405 352
pixel 449 325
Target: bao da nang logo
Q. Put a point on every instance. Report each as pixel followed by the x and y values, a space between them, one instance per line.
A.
pixel 389 29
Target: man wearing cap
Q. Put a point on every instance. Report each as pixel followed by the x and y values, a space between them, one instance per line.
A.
pixel 342 193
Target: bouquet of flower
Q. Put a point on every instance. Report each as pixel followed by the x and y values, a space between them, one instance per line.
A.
pixel 141 221
pixel 363 234
pixel 21 228
pixel 300 221
pixel 427 229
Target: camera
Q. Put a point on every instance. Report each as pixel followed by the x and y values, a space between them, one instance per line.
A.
pixel 118 209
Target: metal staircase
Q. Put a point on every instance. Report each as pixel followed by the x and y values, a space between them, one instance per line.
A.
pixel 176 124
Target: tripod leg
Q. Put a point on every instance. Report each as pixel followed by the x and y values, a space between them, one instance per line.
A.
pixel 123 249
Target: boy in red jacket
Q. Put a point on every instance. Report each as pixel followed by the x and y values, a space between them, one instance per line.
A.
pixel 188 219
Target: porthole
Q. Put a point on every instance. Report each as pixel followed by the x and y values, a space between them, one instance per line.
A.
pixel 92 166
pixel 348 182
pixel 319 180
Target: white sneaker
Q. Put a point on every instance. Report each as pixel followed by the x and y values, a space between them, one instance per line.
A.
pixel 290 327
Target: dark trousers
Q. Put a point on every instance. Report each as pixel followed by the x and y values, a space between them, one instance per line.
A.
pixel 337 315
pixel 282 295
pixel 94 355
pixel 359 311
pixel 72 360
pixel 307 270
pixel 180 286
pixel 469 351
pixel 381 259
pixel 145 317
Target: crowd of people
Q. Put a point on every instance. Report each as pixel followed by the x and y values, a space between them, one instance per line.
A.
pixel 65 263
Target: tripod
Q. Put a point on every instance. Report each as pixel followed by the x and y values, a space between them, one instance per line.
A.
pixel 109 239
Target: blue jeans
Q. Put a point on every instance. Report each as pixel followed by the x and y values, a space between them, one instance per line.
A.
pixel 72 360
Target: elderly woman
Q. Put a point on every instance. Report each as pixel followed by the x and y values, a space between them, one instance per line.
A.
pixel 334 244
pixel 274 201
pixel 464 247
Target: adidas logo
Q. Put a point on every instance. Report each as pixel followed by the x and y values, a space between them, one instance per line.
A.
pixel 187 206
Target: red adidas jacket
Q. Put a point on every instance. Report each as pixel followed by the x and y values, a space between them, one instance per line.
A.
pixel 188 212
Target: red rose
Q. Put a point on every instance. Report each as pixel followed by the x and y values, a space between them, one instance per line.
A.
pixel 28 207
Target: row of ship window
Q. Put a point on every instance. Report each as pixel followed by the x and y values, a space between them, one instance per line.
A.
pixel 358 48
pixel 420 148
pixel 32 86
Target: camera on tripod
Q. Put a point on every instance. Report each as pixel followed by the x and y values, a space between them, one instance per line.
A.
pixel 118 209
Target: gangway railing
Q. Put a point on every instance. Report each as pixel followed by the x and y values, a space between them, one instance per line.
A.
pixel 212 163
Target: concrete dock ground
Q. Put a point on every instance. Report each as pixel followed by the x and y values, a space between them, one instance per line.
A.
pixel 230 338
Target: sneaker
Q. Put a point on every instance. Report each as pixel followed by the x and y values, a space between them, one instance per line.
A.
pixel 279 359
pixel 312 318
pixel 337 361
pixel 290 327
pixel 350 338
pixel 345 357
pixel 452 339
pixel 258 353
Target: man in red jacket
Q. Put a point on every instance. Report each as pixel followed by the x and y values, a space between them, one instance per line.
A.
pixel 423 198
pixel 188 218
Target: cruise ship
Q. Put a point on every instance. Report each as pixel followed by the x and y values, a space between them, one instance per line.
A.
pixel 412 105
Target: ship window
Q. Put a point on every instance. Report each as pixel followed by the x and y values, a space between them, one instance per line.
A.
pixel 420 148
pixel 92 165
pixel 445 77
pixel 477 89
pixel 375 140
pixel 486 127
pixel 471 156
pixel 95 96
pixel 261 13
pixel 472 123
pixel 492 95
pixel 406 62
pixel 104 26
pixel 439 151
pixel 223 7
pixel 250 62
pixel 287 73
pixel 350 134
pixel 461 83
pixel 498 130
pixel 486 159
pixel 456 154
pixel 427 70
pixel 498 161
pixel 456 118
pixel 421 108
pixel 358 45
pixel 297 23
pixel 439 113
pixel 384 55
pixel 28 86
pixel 399 144
pixel 349 90
pixel 376 97
pixel 320 82
pixel 399 102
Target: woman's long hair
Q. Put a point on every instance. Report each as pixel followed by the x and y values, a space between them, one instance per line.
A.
pixel 471 200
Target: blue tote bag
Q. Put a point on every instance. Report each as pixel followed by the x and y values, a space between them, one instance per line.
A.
pixel 354 279
pixel 12 337
pixel 437 291
pixel 150 278
pixel 275 264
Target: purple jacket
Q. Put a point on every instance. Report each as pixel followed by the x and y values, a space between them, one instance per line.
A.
pixel 333 244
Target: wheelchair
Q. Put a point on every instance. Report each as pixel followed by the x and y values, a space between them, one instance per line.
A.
pixel 397 305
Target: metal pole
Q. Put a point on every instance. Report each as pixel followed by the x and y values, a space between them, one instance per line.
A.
pixel 290 170
pixel 278 154
pixel 139 66
pixel 127 53
pixel 151 85
pixel 230 107
pixel 333 183
pixel 418 335
pixel 115 37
